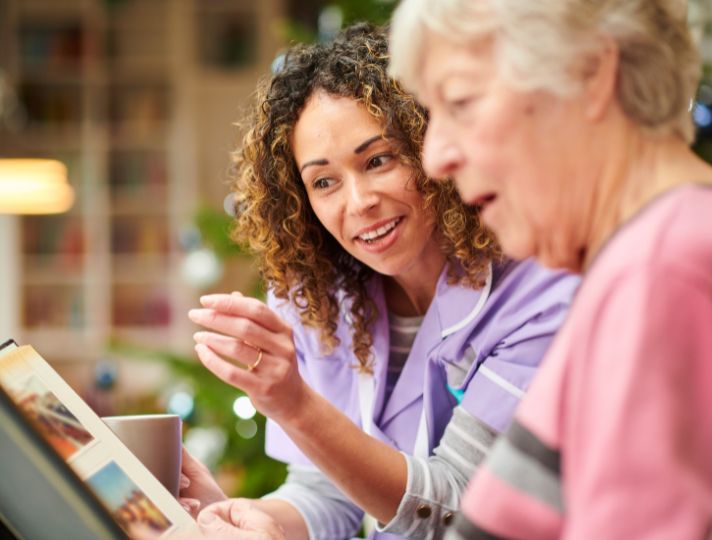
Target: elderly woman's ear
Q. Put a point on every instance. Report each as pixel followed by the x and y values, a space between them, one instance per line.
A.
pixel 599 79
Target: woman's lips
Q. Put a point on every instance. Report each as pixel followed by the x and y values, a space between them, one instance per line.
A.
pixel 383 242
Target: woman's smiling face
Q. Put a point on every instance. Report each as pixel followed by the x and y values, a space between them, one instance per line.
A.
pixel 359 188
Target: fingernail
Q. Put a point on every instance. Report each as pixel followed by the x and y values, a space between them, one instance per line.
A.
pixel 196 314
pixel 209 300
pixel 200 336
pixel 184 482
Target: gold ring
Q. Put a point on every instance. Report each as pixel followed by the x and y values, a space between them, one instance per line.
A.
pixel 252 367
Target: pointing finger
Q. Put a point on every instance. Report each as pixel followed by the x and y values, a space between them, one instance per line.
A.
pixel 244 306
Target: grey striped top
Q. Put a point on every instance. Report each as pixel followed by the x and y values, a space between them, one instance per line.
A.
pixel 402 331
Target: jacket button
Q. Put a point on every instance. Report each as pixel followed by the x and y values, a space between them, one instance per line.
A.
pixel 447 518
pixel 423 511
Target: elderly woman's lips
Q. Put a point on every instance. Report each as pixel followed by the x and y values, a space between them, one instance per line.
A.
pixel 483 200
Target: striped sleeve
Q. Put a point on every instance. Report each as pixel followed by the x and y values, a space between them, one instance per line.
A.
pixel 463 529
pixel 516 494
pixel 435 484
pixel 327 512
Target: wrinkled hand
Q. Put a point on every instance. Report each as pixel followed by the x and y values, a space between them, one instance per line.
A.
pixel 239 327
pixel 238 519
pixel 233 519
pixel 198 488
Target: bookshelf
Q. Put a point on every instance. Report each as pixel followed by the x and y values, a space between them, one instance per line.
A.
pixel 138 98
pixel 95 81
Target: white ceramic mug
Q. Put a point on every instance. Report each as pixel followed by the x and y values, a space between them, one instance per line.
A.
pixel 155 439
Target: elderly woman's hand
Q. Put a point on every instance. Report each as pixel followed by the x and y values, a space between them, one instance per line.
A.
pixel 250 347
pixel 198 488
pixel 238 519
pixel 232 519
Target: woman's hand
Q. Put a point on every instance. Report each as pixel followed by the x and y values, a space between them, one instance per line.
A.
pixel 238 519
pixel 198 488
pixel 232 519
pixel 251 348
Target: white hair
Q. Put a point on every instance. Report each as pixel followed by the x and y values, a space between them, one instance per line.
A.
pixel 543 44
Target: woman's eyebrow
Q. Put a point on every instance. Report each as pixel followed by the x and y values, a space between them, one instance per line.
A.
pixel 313 162
pixel 361 147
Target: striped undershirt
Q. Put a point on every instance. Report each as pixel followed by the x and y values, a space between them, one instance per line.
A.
pixel 402 335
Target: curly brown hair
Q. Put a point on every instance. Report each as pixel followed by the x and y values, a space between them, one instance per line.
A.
pixel 298 258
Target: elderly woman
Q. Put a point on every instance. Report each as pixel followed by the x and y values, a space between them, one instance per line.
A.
pixel 396 342
pixel 567 122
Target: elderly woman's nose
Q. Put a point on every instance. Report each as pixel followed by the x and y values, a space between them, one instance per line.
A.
pixel 441 157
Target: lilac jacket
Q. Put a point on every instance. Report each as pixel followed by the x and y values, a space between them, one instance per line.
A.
pixel 501 347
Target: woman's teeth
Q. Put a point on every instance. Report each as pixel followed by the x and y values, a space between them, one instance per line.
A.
pixel 373 235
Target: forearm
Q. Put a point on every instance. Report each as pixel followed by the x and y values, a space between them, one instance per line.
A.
pixel 327 513
pixel 286 515
pixel 370 472
pixel 436 484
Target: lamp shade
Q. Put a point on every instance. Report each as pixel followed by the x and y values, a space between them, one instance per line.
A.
pixel 34 186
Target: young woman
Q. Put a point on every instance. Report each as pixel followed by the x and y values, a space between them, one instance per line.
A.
pixel 396 341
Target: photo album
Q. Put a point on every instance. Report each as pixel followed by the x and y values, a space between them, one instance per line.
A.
pixel 65 455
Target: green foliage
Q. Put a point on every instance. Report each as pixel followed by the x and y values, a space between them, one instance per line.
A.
pixel 215 228
pixel 703 144
pixel 703 148
pixel 375 11
pixel 295 32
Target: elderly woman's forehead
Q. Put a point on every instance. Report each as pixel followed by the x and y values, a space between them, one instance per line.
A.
pixel 443 57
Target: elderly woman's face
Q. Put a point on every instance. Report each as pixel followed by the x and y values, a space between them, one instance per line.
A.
pixel 360 190
pixel 507 150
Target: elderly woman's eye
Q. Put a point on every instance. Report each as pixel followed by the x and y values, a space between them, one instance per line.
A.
pixel 460 103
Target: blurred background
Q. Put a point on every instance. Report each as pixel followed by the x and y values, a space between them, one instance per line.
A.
pixel 138 98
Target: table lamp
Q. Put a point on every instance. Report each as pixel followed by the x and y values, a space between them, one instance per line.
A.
pixel 34 186
pixel 27 186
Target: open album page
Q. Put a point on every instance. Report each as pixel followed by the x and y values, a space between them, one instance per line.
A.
pixel 124 485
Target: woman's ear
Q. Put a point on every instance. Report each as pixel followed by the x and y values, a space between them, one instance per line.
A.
pixel 600 78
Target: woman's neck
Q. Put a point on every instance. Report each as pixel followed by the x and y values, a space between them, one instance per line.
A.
pixel 644 168
pixel 410 294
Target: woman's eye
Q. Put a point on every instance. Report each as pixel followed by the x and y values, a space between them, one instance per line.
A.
pixel 379 161
pixel 322 183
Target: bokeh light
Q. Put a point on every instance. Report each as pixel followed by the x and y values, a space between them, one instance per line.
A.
pixel 182 404
pixel 243 408
pixel 246 428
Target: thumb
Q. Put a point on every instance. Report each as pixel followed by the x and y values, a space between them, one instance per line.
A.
pixel 206 518
pixel 214 527
pixel 190 463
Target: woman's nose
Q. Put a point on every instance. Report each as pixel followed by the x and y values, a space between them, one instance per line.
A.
pixel 441 156
pixel 362 195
